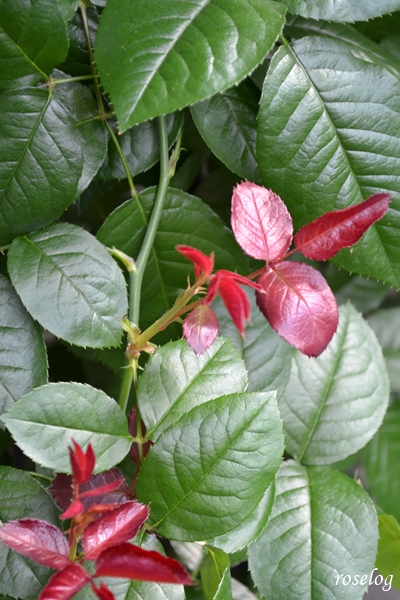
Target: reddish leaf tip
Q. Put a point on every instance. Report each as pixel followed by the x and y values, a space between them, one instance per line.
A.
pixel 200 328
pixel 202 263
pixel 82 464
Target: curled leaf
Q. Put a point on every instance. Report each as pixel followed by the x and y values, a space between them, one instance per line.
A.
pixel 299 305
pixel 82 464
pixel 202 263
pixel 200 328
pixel 103 592
pixel 65 584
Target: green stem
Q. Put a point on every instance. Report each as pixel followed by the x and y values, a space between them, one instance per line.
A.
pixel 70 79
pixel 85 23
pixel 123 160
pixel 40 476
pixel 125 388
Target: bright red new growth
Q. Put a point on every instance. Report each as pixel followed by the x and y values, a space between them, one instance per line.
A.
pixel 261 222
pixel 202 263
pixel 323 238
pixel 66 583
pixel 82 464
pixel 103 592
pixel 133 562
pixel 200 328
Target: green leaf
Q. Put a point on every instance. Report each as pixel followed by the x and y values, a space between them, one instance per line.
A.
pixel 44 422
pixel 33 40
pixel 312 125
pixel 36 186
pixel 250 529
pixel 23 360
pixel 201 47
pixel 70 284
pixel 22 497
pixel 323 525
pixel 348 378
pixel 381 463
pixel 68 8
pixel 388 558
pixel 140 146
pixel 123 589
pixel 77 61
pixel 341 10
pixel 216 575
pixel 184 220
pixel 364 294
pixel 386 323
pixel 228 124
pixel 209 471
pixel 92 134
pixel 163 399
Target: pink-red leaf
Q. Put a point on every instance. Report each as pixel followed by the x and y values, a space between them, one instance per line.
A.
pixel 115 527
pixel 74 509
pixel 133 562
pixel 65 584
pixel 261 222
pixel 323 238
pixel 202 263
pixel 200 328
pixel 299 305
pixel 103 592
pixel 82 464
pixel 39 540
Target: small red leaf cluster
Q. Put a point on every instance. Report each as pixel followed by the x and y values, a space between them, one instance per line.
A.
pixel 294 297
pixel 103 521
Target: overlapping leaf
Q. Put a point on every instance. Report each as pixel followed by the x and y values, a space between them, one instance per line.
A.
pixel 203 47
pixel 66 583
pixel 70 284
pixel 216 575
pixel 44 422
pixel 322 524
pixel 386 324
pixel 200 328
pixel 312 126
pixel 388 557
pixel 342 10
pixel 209 471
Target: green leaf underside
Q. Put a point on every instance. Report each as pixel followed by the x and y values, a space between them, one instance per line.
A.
pixel 163 399
pixel 124 589
pixel 228 124
pixel 341 10
pixel 35 186
pixel 209 471
pixel 70 284
pixel 386 324
pixel 33 40
pixel 323 524
pixel 22 497
pixel 216 575
pixel 184 220
pixel 23 361
pixel 326 142
pixel 388 558
pixel 44 422
pixel 332 405
pixel 202 47
pixel 382 465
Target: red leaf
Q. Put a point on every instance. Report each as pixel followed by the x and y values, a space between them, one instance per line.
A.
pixel 115 527
pixel 202 263
pixel 299 305
pixel 133 562
pixel 41 541
pixel 134 451
pixel 261 222
pixel 65 584
pixel 61 489
pixel 323 238
pixel 103 592
pixel 75 508
pixel 200 328
pixel 82 464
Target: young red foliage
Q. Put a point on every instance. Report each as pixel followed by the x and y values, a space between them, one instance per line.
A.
pixel 323 238
pixel 200 328
pixel 103 592
pixel 115 527
pixel 132 562
pixel 202 263
pixel 41 541
pixel 299 305
pixel 66 583
pixel 75 508
pixel 82 464
pixel 261 222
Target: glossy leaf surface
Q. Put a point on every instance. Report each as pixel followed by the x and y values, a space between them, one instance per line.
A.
pixel 342 10
pixel 200 328
pixel 21 496
pixel 132 562
pixel 299 305
pixel 349 378
pixel 312 126
pixel 65 584
pixel 115 527
pixel 215 575
pixel 209 471
pixel 163 399
pixel 44 422
pixel 203 47
pixel 23 361
pixel 35 186
pixel 26 58
pixel 70 284
pixel 322 524
pixel 388 557
pixel 228 124
pixel 39 540
pixel 261 223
